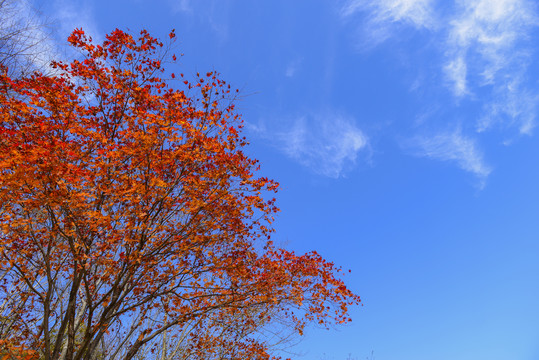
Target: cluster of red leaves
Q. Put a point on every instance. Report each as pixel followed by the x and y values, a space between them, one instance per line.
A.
pixel 128 209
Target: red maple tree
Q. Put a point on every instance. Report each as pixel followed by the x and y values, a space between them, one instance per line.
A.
pixel 128 212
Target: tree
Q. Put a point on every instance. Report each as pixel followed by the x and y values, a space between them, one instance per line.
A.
pixel 274 332
pixel 130 215
pixel 24 38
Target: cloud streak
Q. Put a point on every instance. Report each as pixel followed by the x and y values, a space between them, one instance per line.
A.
pixel 452 147
pixel 484 34
pixel 71 15
pixel 488 48
pixel 293 67
pixel 327 144
pixel 482 48
pixel 485 46
pixel 414 12
pixel 384 15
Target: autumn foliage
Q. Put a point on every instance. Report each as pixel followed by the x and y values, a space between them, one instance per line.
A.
pixel 131 220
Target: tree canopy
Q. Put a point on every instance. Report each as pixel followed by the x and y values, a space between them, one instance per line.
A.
pixel 130 217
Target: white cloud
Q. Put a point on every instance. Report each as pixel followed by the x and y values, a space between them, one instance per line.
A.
pixel 26 36
pixel 38 39
pixel 415 12
pixel 292 67
pixel 491 37
pixel 482 39
pixel 385 13
pixel 213 13
pixel 453 147
pixel 486 35
pixel 75 14
pixel 184 6
pixel 456 70
pixel 328 144
pixel 482 48
pixel 511 106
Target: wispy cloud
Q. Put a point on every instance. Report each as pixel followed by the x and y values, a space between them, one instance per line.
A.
pixel 478 35
pixel 454 147
pixel 26 41
pixel 415 12
pixel 512 105
pixel 488 48
pixel 292 67
pixel 70 15
pixel 214 14
pixel 456 70
pixel 184 6
pixel 384 15
pixel 482 48
pixel 485 36
pixel 328 144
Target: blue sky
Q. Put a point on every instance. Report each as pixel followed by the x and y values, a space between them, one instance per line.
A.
pixel 403 133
